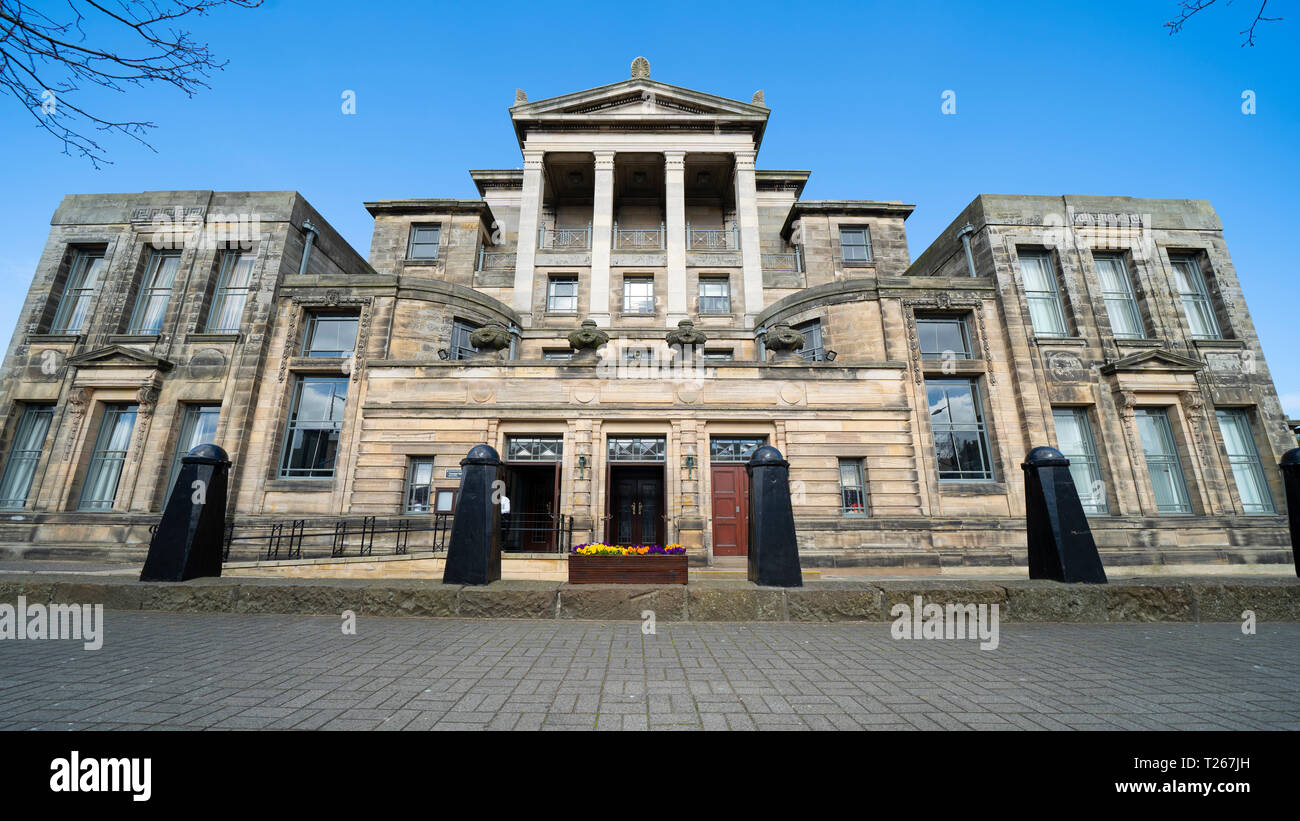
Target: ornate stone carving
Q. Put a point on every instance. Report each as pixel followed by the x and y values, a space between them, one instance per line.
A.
pixel 686 334
pixel 520 96
pixel 640 68
pixel 491 339
pixel 332 299
pixel 943 301
pixel 784 342
pixel 586 339
pixel 758 98
pixel 1065 366
pixel 78 398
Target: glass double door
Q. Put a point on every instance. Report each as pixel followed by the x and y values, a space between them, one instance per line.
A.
pixel 636 505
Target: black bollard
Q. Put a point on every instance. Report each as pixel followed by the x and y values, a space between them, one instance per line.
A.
pixel 773 550
pixel 187 544
pixel 1061 547
pixel 1291 479
pixel 474 554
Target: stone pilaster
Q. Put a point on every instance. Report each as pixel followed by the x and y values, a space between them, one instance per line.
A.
pixel 530 210
pixel 675 237
pixel 602 226
pixel 750 253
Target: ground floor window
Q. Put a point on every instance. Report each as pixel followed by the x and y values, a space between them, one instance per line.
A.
pixel 24 454
pixel 99 490
pixel 1243 458
pixel 734 449
pixel 1163 464
pixel 853 491
pixel 315 421
pixel 1074 440
pixel 637 449
pixel 961 445
pixel 419 484
pixel 198 427
pixel 534 448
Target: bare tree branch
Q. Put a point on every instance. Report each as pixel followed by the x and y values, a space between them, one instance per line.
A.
pixel 1188 8
pixel 45 60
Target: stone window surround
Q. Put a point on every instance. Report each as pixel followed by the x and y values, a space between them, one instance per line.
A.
pixel 1101 450
pixel 1223 307
pixel 1184 445
pixel 49 308
pixel 1063 290
pixel 836 225
pixel 1272 478
pixel 1140 280
pixel 407 259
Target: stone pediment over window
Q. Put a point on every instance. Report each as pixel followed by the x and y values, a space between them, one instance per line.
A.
pixel 117 356
pixel 1156 359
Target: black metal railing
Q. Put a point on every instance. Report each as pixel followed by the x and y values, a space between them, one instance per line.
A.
pixel 536 533
pixel 335 536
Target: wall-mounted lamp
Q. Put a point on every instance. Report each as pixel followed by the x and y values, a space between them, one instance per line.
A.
pixel 582 466
pixel 688 462
pixel 442 353
pixel 830 356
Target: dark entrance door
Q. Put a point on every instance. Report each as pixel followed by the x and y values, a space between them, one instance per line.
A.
pixel 730 510
pixel 636 505
pixel 532 491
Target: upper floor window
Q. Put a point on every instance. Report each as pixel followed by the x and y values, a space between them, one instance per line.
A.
pixel 424 242
pixel 1045 308
pixel 812 340
pixel 638 295
pixel 1243 458
pixel 1117 291
pixel 961 445
pixel 461 347
pixel 330 335
pixel 315 422
pixel 853 491
pixel 155 292
pixel 855 244
pixel 1195 296
pixel 562 294
pixel 719 355
pixel 99 490
pixel 232 292
pixel 24 455
pixel 943 337
pixel 715 295
pixel 83 280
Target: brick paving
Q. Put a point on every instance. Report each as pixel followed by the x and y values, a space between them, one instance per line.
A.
pixel 217 671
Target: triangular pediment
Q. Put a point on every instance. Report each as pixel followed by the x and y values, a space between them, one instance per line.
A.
pixel 1155 359
pixel 118 356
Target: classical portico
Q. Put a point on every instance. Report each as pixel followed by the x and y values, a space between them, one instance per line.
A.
pixel 638 174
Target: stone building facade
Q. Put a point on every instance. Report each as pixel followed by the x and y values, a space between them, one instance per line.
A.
pixel 724 311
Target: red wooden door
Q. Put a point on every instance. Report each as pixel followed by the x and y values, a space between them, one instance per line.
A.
pixel 730 510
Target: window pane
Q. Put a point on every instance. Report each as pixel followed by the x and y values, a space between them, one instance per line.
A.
pixel 1117 291
pixel 311 442
pixel 1045 310
pixel 1074 440
pixel 231 293
pixel 83 280
pixel 332 336
pixel 938 337
pixel 1163 464
pixel 198 427
pixel 24 455
pixel 106 461
pixel 960 439
pixel 424 242
pixel 1243 458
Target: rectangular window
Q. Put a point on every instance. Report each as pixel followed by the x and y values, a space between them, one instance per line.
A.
pixel 556 355
pixel 734 450
pixel 232 292
pixel 155 292
pixel 719 355
pixel 638 295
pixel 1117 291
pixel 1195 296
pixel 330 335
pixel 715 295
pixel 812 349
pixel 1163 464
pixel 1247 471
pixel 961 445
pixel 419 485
pixel 461 347
pixel 424 242
pixel 534 448
pixel 1074 441
pixel 941 337
pixel 24 455
pixel 562 295
pixel 1045 308
pixel 855 244
pixel 853 491
pixel 198 427
pixel 83 280
pixel 638 354
pixel 636 449
pixel 315 422
pixel 107 460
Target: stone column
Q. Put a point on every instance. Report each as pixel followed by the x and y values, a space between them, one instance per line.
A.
pixel 530 211
pixel 602 225
pixel 747 215
pixel 675 234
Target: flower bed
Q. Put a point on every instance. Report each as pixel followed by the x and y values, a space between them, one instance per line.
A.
pixel 638 564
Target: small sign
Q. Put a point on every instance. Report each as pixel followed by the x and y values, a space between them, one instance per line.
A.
pixel 453 473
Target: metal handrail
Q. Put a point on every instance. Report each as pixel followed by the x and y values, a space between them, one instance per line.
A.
pixel 564 239
pixel 641 238
pixel 495 260
pixel 712 239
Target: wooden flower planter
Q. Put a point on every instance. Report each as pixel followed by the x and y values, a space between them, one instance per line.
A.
pixel 627 569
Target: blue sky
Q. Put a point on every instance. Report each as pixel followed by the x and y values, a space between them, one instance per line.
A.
pixel 1051 99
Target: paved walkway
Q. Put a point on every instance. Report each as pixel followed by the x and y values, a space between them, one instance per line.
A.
pixel 163 670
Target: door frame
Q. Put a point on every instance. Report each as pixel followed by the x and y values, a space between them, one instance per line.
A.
pixel 655 470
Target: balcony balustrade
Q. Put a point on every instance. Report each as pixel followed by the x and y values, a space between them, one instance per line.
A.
pixel 712 239
pixel 564 239
pixel 643 239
